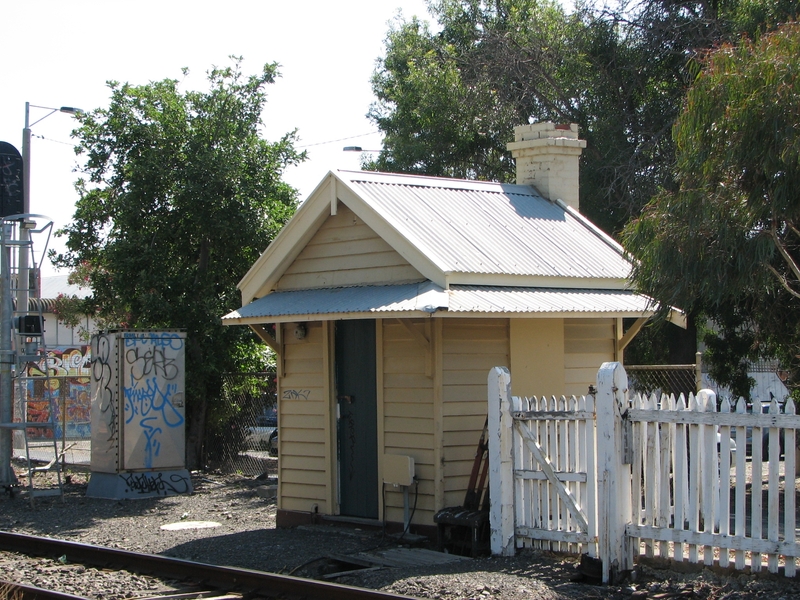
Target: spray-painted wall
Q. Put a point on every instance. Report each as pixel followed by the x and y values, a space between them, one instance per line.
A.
pixel 138 391
pixel 67 386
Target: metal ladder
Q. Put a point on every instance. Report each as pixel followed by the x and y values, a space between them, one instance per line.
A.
pixel 35 408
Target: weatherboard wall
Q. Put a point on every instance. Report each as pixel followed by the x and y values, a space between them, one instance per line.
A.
pixel 303 416
pixel 434 403
pixel 537 357
pixel 588 343
pixel 409 399
pixel 345 251
pixel 470 348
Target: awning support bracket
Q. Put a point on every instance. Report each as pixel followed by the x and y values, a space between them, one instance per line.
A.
pixel 263 333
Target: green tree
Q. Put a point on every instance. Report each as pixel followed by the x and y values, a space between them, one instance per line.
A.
pixel 181 194
pixel 447 97
pixel 726 244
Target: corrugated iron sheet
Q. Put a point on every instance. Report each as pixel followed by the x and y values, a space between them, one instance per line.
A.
pixel 429 298
pixel 489 228
pixel 481 299
pixel 411 297
pixel 55 285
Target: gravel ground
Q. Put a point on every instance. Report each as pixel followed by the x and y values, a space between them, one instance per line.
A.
pixel 246 537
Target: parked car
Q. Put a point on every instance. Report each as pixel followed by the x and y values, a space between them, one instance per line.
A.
pixel 273 443
pixel 258 435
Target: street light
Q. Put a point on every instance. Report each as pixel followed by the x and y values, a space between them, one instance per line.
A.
pixel 359 149
pixel 23 286
pixel 26 147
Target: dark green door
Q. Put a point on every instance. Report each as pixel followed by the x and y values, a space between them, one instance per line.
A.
pixel 356 390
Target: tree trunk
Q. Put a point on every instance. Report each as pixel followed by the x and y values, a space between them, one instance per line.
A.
pixel 197 406
pixel 195 434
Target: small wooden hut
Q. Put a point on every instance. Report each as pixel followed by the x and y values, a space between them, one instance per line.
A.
pixel 388 298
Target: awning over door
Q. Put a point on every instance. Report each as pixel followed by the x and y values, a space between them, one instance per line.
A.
pixel 427 299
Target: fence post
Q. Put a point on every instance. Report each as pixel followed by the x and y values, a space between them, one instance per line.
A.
pixel 614 477
pixel 698 372
pixel 501 466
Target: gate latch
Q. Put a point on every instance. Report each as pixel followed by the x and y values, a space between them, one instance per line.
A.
pixel 627 439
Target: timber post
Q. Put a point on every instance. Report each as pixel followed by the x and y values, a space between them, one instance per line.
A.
pixel 613 476
pixel 501 466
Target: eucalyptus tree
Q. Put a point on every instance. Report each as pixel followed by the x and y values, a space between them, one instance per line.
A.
pixel 726 243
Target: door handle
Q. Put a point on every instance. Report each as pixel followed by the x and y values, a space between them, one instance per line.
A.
pixel 348 399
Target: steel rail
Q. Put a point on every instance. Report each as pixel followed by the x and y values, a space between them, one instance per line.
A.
pixel 212 575
pixel 20 591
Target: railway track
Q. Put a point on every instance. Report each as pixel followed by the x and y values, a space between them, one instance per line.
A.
pixel 216 582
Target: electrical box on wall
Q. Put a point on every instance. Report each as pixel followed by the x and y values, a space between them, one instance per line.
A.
pixel 398 469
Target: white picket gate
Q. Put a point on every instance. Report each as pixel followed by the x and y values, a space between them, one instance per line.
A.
pixel 617 478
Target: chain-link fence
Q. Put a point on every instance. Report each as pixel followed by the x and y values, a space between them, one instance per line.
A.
pixel 664 379
pixel 63 389
pixel 241 433
pixel 768 380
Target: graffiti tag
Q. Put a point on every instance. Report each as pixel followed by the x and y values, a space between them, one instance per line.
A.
pixel 154 483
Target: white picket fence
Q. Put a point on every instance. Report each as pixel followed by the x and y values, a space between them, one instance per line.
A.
pixel 618 478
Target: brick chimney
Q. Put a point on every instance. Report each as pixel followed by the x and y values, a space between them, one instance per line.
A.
pixel 547 158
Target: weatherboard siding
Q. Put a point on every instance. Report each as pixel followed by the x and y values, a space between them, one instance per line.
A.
pixel 302 414
pixel 470 348
pixel 537 357
pixel 345 251
pixel 588 343
pixel 408 413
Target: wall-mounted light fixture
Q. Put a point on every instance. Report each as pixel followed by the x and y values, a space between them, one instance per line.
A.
pixel 300 331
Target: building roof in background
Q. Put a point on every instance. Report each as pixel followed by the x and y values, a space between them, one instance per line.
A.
pixel 55 285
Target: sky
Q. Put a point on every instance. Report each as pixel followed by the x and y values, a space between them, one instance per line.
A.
pixel 63 53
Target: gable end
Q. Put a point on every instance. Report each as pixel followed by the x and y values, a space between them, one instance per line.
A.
pixel 344 252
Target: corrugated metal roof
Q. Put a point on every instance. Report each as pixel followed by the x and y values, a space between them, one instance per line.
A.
pixel 55 285
pixel 431 299
pixel 546 300
pixel 489 228
pixel 411 297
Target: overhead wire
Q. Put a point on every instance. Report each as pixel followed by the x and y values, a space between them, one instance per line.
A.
pixel 352 137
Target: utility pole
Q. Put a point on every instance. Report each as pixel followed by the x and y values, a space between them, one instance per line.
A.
pixel 7 358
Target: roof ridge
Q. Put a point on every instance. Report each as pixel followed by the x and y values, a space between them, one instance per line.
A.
pixel 437 181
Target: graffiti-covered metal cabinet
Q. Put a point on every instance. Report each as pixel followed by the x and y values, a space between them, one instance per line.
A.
pixel 138 413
